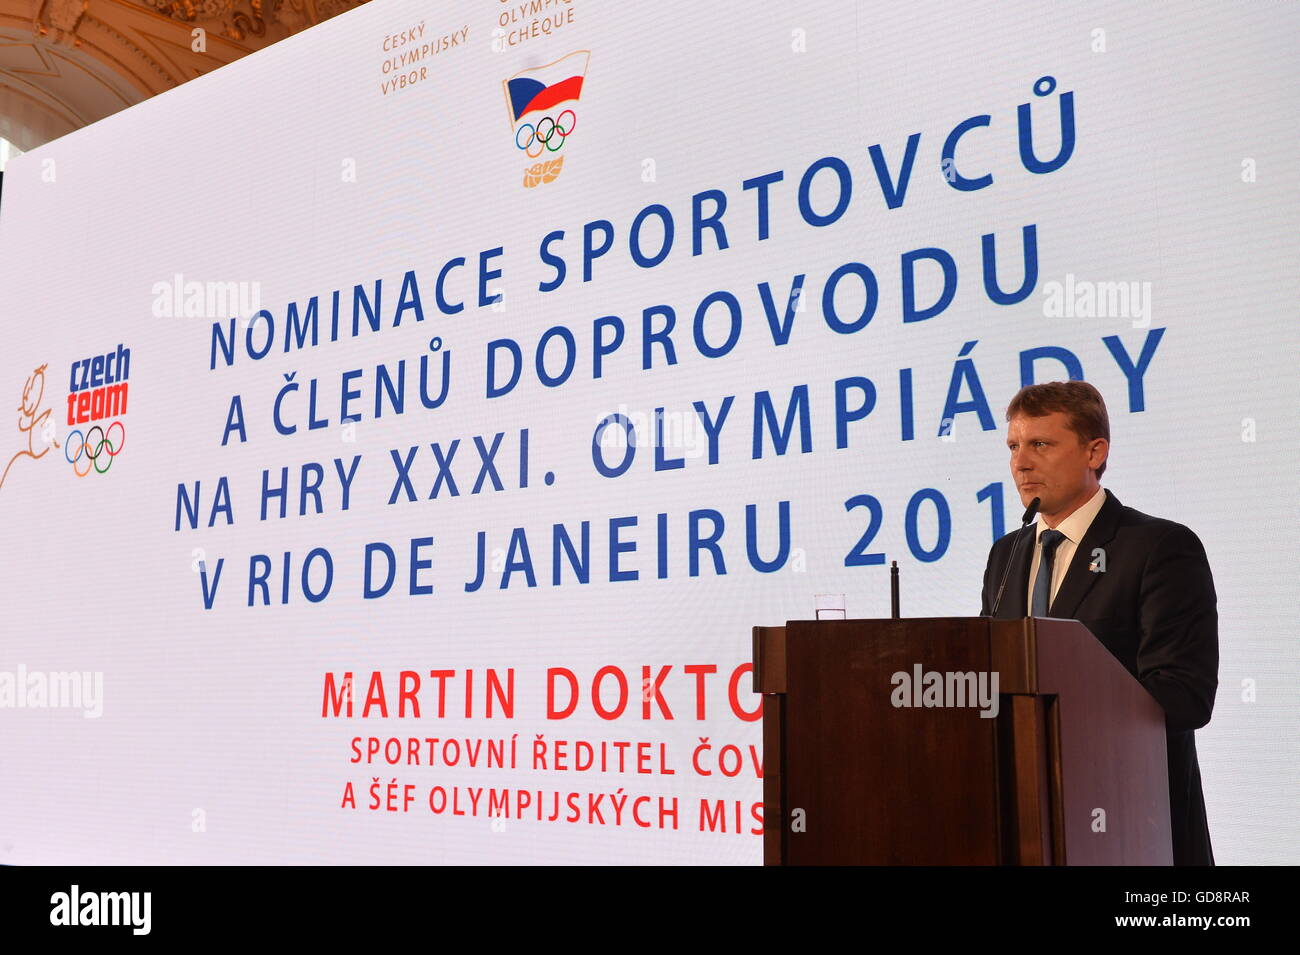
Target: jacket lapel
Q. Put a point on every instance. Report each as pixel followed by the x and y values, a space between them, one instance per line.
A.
pixel 1078 578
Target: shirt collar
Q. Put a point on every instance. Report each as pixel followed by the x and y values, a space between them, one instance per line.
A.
pixel 1077 524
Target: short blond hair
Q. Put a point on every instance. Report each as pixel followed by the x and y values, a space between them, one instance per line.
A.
pixel 1079 401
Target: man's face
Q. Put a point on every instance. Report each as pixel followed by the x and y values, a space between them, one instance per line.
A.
pixel 1049 461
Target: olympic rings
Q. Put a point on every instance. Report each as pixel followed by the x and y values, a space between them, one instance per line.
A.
pixel 99 447
pixel 546 138
pixel 121 442
pixel 95 450
pixel 67 445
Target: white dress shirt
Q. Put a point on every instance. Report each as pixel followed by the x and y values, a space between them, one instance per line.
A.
pixel 1073 527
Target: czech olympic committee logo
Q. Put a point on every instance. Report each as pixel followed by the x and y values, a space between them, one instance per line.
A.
pixel 98 391
pixel 543 101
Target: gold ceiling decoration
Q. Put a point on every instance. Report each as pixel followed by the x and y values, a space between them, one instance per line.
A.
pixel 66 63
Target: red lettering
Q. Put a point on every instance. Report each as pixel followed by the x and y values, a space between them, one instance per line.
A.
pixel 551 712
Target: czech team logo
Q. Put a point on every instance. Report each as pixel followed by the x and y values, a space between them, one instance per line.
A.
pixel 543 103
pixel 98 391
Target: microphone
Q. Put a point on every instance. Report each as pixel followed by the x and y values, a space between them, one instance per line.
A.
pixel 893 589
pixel 1030 512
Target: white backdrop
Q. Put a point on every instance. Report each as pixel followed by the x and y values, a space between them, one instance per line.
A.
pixel 303 169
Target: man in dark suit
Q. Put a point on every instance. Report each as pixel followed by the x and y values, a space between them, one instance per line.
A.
pixel 1141 584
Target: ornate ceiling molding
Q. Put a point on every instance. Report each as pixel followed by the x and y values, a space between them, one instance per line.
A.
pixel 66 63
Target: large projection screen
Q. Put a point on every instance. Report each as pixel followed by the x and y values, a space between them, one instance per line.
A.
pixel 674 316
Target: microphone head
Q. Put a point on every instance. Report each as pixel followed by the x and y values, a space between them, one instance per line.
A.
pixel 1031 510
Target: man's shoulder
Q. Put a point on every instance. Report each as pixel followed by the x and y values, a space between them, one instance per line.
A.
pixel 1128 522
pixel 1134 523
pixel 1143 540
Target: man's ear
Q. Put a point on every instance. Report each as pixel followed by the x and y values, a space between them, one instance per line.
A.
pixel 1098 452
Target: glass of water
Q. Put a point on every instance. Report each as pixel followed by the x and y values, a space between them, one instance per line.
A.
pixel 830 606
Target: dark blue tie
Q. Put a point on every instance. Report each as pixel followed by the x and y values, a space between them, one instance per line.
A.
pixel 1043 582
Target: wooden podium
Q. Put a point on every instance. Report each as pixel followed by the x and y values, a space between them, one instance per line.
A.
pixel 1071 770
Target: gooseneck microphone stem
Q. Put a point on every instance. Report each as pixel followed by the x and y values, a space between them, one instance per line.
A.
pixel 893 589
pixel 1030 512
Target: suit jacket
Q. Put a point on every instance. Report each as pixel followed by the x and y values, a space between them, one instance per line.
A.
pixel 1153 607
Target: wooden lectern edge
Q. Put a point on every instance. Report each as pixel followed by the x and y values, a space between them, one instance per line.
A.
pixel 1111 663
pixel 1025 625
